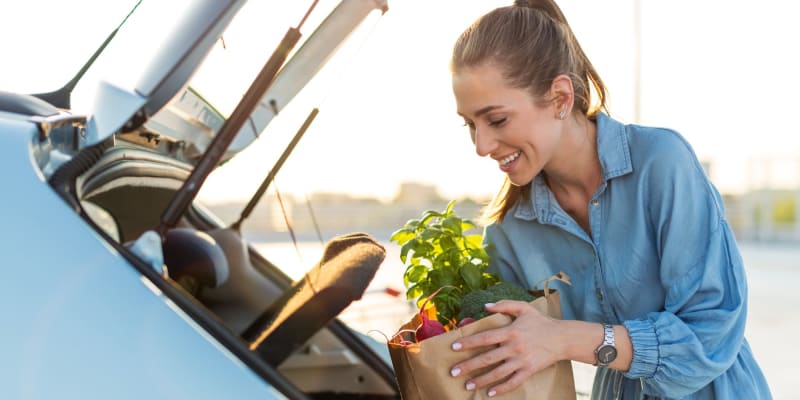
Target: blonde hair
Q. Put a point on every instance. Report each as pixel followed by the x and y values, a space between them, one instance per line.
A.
pixel 533 44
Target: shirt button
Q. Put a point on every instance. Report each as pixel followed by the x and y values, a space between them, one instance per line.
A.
pixel 595 202
pixel 599 294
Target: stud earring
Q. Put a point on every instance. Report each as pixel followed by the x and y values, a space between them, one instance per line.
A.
pixel 561 115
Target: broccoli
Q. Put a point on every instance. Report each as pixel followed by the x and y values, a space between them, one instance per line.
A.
pixel 472 303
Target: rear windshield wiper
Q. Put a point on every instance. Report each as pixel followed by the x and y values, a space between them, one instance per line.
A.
pixel 248 209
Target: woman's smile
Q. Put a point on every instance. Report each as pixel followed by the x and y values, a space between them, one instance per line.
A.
pixel 508 162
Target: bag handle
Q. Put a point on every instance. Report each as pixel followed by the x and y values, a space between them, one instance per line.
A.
pixel 561 276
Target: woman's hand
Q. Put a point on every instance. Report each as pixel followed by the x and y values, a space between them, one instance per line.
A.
pixel 527 345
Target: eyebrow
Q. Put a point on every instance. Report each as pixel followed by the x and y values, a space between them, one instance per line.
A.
pixel 483 110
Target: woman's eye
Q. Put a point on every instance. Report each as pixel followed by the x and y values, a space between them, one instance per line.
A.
pixel 497 122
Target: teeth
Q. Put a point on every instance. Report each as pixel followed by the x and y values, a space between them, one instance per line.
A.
pixel 510 158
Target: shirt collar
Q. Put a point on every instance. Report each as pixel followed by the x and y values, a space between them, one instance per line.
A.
pixel 614 152
pixel 613 147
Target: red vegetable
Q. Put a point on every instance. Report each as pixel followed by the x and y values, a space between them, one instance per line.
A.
pixel 429 327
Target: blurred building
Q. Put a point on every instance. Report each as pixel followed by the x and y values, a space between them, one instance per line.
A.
pixel 417 194
pixel 769 210
pixel 765 212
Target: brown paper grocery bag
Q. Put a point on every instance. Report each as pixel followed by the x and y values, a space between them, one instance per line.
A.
pixel 423 369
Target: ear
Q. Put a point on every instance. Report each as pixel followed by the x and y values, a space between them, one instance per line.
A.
pixel 562 95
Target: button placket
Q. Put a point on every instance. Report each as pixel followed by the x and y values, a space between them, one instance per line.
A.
pixel 595 222
pixel 598 291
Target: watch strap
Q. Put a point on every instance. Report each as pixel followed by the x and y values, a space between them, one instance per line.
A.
pixel 608 341
pixel 608 335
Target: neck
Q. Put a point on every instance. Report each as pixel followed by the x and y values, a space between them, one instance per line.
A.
pixel 576 168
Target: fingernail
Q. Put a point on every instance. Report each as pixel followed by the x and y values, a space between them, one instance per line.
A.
pixel 456 346
pixel 491 393
pixel 489 305
pixel 470 386
pixel 455 371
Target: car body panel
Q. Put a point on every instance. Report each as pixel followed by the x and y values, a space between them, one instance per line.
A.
pixel 81 322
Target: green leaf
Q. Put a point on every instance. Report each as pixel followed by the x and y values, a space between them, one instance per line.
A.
pixel 417 273
pixel 467 225
pixel 449 208
pixel 450 257
pixel 472 276
pixel 402 236
pixel 441 277
pixel 453 224
pixel 413 292
pixel 423 250
pixel 405 249
pixel 475 241
pixel 428 215
pixel 447 244
pixel 431 234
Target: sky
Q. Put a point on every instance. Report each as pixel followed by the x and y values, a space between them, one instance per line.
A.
pixel 718 72
pixel 722 73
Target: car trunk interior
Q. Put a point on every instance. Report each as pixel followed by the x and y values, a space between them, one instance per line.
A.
pixel 124 195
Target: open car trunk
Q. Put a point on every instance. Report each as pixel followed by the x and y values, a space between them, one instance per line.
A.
pixel 123 196
pixel 132 169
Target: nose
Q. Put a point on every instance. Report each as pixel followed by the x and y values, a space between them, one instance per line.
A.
pixel 484 141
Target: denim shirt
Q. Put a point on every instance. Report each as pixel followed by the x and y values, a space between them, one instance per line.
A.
pixel 661 260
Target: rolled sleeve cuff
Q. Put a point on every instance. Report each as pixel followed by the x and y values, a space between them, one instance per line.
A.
pixel 645 349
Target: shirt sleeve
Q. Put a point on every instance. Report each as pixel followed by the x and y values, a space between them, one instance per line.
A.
pixel 698 334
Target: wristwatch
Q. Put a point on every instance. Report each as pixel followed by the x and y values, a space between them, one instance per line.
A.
pixel 607 352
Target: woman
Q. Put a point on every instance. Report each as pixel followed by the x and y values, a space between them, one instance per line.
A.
pixel 658 298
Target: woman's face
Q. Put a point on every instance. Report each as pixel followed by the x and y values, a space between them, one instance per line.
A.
pixel 505 122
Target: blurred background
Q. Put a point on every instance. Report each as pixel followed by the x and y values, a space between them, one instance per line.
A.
pixel 388 145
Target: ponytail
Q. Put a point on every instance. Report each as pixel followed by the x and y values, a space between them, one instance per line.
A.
pixel 584 71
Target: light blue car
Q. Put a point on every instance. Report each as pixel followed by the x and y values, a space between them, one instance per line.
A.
pixel 116 284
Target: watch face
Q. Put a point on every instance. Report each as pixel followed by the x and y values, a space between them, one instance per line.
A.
pixel 606 354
